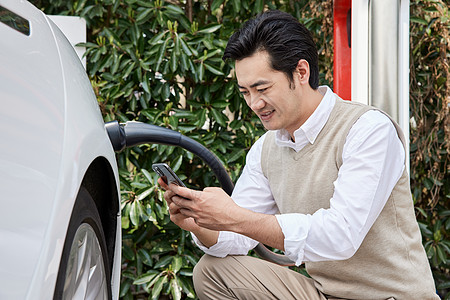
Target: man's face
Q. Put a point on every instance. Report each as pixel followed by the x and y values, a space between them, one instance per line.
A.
pixel 269 93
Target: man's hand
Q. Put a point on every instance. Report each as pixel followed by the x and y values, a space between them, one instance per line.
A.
pixel 182 221
pixel 207 212
pixel 211 208
pixel 207 237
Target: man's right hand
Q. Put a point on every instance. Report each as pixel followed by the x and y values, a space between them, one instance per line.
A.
pixel 182 221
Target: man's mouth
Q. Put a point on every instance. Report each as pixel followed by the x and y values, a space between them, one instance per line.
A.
pixel 264 116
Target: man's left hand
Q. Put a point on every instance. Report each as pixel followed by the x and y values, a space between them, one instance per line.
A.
pixel 211 208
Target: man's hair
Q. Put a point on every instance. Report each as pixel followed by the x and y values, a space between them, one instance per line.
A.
pixel 284 38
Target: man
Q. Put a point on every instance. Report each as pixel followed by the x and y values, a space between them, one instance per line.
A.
pixel 326 184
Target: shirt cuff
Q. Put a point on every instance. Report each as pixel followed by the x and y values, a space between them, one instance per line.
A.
pixel 295 228
pixel 228 243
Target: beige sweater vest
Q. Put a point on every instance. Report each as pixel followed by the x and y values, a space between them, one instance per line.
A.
pixel 391 261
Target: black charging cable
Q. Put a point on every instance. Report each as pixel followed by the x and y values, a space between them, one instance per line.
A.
pixel 133 133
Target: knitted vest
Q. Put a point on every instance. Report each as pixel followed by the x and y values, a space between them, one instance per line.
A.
pixel 391 261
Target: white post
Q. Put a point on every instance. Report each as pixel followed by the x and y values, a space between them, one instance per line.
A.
pixel 403 71
pixel 360 51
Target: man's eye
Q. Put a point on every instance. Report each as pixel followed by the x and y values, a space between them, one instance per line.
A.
pixel 262 90
pixel 244 93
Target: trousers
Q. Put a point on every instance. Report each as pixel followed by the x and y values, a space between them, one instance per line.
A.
pixel 246 277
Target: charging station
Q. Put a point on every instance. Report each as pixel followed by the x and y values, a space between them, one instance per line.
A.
pixel 371 56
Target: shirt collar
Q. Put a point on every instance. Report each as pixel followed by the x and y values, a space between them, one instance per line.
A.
pixel 308 132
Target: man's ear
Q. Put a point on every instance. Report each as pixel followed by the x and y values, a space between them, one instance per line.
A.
pixel 302 71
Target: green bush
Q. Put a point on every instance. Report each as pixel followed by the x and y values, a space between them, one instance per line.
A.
pixel 430 132
pixel 160 63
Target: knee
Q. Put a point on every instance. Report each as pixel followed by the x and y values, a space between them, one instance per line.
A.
pixel 209 265
pixel 207 276
pixel 204 270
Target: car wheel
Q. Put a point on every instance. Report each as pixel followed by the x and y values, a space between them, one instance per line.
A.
pixel 84 272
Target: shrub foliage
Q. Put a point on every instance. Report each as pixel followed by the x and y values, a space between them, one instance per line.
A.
pixel 430 132
pixel 159 62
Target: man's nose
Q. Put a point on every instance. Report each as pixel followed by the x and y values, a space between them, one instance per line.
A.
pixel 256 102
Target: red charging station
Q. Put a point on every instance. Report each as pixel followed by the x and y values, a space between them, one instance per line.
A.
pixel 342 63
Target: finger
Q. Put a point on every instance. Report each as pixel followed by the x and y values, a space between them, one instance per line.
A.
pixel 182 202
pixel 173 209
pixel 168 196
pixel 185 192
pixel 187 213
pixel 163 184
pixel 211 188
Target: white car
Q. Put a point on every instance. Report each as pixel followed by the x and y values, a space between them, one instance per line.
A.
pixel 60 233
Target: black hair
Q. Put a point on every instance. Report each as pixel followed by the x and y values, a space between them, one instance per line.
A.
pixel 284 38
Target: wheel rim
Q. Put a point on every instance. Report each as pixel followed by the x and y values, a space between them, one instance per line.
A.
pixel 85 274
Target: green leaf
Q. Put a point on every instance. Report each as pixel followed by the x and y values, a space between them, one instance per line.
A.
pixel 216 4
pixel 441 255
pixel 444 285
pixel 210 29
pixel 156 39
pixel 175 9
pixel 431 9
pixel 145 193
pixel 157 287
pixel 177 263
pixel 163 262
pixel 143 16
pixel 186 48
pixel 186 128
pixel 259 5
pixel 191 259
pixel 175 289
pixel 425 230
pixel 128 70
pixel 184 114
pixel 213 70
pixel 235 155
pixel 127 252
pixel 220 104
pixel 145 278
pixel 422 212
pixel 173 62
pixel 161 53
pixel 418 20
pixel 176 165
pixel 148 176
pixel 145 257
pixel 153 281
pixel 183 60
pixel 186 286
pixel 200 70
pixel 201 118
pixel 125 222
pixel 431 251
pixel 124 288
pixel 219 117
pixel 139 185
pixel 236 5
pixel 136 212
pixel 145 83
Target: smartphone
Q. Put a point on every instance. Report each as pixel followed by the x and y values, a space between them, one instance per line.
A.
pixel 167 174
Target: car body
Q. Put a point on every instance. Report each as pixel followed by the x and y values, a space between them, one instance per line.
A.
pixel 54 151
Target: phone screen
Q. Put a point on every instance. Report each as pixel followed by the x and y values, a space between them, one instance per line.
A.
pixel 169 176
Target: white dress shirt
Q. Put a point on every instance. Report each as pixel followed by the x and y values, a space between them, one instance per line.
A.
pixel 373 161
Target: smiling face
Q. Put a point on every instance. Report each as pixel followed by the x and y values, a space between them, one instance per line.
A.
pixel 279 103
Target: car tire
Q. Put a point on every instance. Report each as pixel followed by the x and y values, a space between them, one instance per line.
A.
pixel 84 271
